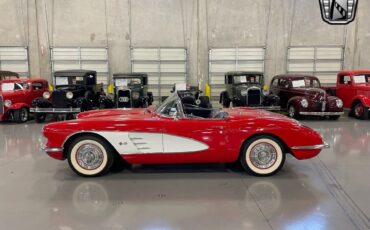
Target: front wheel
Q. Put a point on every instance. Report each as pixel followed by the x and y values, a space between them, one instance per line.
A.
pixel 262 156
pixel 360 111
pixel 21 115
pixel 293 113
pixel 90 156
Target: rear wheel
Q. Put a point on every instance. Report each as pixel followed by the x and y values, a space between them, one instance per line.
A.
pixel 360 111
pixel 21 115
pixel 262 156
pixel 90 156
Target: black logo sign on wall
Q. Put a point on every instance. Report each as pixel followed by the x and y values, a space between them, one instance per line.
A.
pixel 338 12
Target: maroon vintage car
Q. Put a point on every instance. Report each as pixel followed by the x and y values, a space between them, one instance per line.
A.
pixel 16 96
pixel 302 95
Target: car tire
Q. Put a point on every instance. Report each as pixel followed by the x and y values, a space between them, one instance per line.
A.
pixel 93 162
pixel 360 111
pixel 21 115
pixel 40 117
pixel 263 146
pixel 293 113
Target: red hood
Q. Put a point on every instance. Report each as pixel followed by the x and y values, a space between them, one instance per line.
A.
pixel 252 113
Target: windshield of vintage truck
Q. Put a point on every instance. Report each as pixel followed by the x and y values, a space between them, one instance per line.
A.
pixel 10 86
pixel 306 83
pixel 68 80
pixel 360 79
pixel 124 82
pixel 247 79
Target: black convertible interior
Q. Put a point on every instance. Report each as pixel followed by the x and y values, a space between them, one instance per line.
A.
pixel 191 109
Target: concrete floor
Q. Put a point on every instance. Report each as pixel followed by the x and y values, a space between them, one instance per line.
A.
pixel 328 192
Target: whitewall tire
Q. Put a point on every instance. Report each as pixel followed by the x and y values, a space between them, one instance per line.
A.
pixel 90 156
pixel 262 155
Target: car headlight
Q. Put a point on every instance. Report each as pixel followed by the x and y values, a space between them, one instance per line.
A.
pixel 69 95
pixel 244 93
pixel 339 103
pixel 8 103
pixel 135 95
pixel 46 95
pixel 304 103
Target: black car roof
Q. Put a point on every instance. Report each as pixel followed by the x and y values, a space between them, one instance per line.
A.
pixel 8 73
pixel 76 73
pixel 237 73
pixel 122 75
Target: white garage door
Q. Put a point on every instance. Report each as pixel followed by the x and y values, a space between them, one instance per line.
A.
pixel 323 62
pixel 222 60
pixel 164 66
pixel 14 59
pixel 81 58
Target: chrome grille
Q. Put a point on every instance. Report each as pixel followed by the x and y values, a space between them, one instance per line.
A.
pixel 1 105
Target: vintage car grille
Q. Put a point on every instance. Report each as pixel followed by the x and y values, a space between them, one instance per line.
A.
pixel 254 97
pixel 123 98
pixel 1 105
pixel 59 99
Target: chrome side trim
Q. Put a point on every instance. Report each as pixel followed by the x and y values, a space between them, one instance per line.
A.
pixel 52 150
pixel 55 110
pixel 311 147
pixel 321 113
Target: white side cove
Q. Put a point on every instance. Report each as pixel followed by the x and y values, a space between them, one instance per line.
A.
pixel 138 143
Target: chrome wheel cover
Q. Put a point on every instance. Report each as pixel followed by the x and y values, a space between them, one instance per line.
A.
pixel 24 114
pixel 89 156
pixel 263 155
pixel 291 111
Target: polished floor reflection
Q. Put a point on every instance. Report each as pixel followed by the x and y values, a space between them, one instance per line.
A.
pixel 328 192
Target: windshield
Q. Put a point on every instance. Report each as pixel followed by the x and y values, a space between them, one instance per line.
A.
pixel 11 86
pixel 68 80
pixel 306 83
pixel 360 79
pixel 124 82
pixel 170 106
pixel 247 79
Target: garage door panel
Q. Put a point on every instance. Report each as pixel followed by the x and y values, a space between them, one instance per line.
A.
pixel 217 79
pixel 301 67
pixel 14 59
pixel 327 78
pixel 222 54
pixel 94 54
pixel 173 67
pixel 329 53
pixel 172 79
pixel 251 66
pixel 304 53
pixel 145 67
pixel 328 66
pixel 142 54
pixel 173 54
pixel 67 54
pixel 95 65
pixel 222 67
pixel 251 54
pixel 63 65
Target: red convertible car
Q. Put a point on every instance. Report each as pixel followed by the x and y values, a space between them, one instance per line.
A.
pixel 172 134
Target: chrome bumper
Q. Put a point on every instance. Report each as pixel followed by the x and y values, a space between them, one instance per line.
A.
pixel 312 147
pixel 322 113
pixel 51 150
pixel 55 110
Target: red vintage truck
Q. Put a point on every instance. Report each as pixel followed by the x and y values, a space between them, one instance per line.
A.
pixel 353 87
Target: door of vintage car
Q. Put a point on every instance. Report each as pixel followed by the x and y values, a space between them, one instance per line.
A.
pixel 204 140
pixel 345 90
pixel 281 88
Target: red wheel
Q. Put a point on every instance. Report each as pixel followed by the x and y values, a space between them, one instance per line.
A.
pixel 360 111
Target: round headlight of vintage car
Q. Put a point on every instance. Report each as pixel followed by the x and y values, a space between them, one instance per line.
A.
pixel 46 95
pixel 304 103
pixel 244 92
pixel 135 95
pixel 8 103
pixel 339 103
pixel 69 95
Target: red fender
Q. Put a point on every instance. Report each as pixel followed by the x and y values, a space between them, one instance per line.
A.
pixel 18 106
pixel 365 100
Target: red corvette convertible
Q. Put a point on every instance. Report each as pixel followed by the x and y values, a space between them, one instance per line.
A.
pixel 179 132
